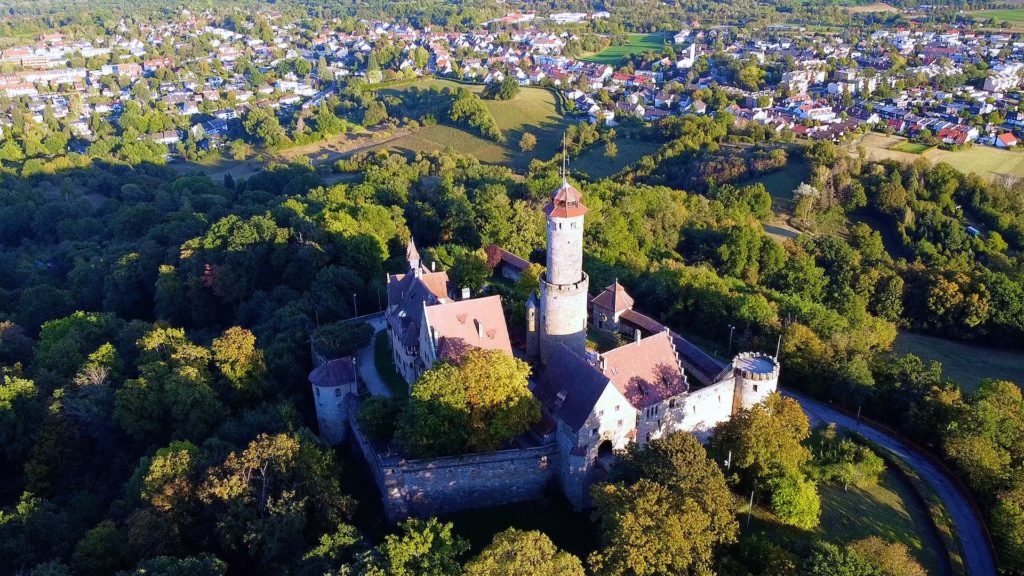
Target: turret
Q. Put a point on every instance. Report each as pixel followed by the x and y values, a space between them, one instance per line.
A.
pixel 757 376
pixel 532 326
pixel 412 256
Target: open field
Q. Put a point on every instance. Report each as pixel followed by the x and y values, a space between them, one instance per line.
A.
pixel 875 7
pixel 594 164
pixel 533 110
pixel 966 364
pixel 985 161
pixel 638 43
pixel 1014 15
pixel 911 147
pixel 889 510
pixel 781 183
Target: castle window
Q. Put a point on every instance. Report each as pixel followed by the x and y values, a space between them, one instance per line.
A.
pixel 337 392
pixel 672 403
pixel 619 423
pixel 616 407
pixel 755 387
pixel 593 431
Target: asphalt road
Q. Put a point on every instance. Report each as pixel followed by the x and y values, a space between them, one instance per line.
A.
pixel 973 545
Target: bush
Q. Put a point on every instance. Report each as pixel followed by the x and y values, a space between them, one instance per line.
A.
pixel 342 339
pixel 378 416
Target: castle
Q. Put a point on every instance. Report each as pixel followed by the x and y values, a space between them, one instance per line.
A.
pixel 593 403
pixel 596 403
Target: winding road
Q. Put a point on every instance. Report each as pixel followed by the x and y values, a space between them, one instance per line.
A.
pixel 973 544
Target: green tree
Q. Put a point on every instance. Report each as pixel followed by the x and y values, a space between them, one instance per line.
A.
pixel 648 529
pixel 795 500
pixel 424 548
pixel 891 558
pixel 100 551
pixel 523 553
pixel 270 493
pixel 527 142
pixel 202 565
pixel 470 270
pixel 766 440
pixel 240 362
pixel 830 560
pixel 478 404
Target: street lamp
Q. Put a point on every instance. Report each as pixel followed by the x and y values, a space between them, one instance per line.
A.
pixel 355 308
pixel 731 328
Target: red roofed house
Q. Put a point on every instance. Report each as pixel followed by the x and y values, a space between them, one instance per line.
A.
pixel 1006 140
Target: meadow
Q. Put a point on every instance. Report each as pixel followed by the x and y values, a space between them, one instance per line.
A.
pixel 890 510
pixel 985 161
pixel 1013 15
pixel 638 43
pixel 533 110
pixel 966 364
pixel 593 162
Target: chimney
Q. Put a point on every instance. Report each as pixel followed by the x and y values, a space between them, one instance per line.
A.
pixel 604 363
pixel 432 265
pixel 480 329
pixel 465 292
pixel 636 335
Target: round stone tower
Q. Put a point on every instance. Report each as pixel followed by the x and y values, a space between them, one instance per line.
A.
pixel 563 286
pixel 757 376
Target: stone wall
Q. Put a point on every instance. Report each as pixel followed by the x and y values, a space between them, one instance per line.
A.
pixel 433 486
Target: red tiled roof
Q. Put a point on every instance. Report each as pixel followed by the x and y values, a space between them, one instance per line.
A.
pixel 479 322
pixel 566 202
pixel 614 298
pixel 645 372
pixel 1007 138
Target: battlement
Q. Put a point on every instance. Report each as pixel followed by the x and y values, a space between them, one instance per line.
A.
pixel 582 284
pixel 755 366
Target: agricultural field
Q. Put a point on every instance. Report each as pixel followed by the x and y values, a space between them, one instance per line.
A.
pixel 874 7
pixel 966 364
pixel 533 110
pixel 638 43
pixel 593 162
pixel 985 161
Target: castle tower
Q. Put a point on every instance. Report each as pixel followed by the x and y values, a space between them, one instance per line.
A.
pixel 756 376
pixel 563 286
pixel 332 383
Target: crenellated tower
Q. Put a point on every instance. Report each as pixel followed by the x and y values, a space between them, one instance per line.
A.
pixel 562 317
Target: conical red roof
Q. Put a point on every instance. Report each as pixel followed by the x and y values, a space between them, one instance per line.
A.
pixel 566 202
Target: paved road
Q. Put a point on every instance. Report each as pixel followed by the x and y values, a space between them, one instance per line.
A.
pixel 367 367
pixel 973 545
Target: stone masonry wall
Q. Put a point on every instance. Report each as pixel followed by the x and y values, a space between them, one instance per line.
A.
pixel 428 487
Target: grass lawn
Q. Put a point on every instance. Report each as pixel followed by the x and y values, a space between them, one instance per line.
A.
pixel 911 147
pixel 889 510
pixel 533 110
pixel 1015 15
pixel 781 183
pixel 985 161
pixel 594 164
pixel 638 43
pixel 386 366
pixel 966 364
